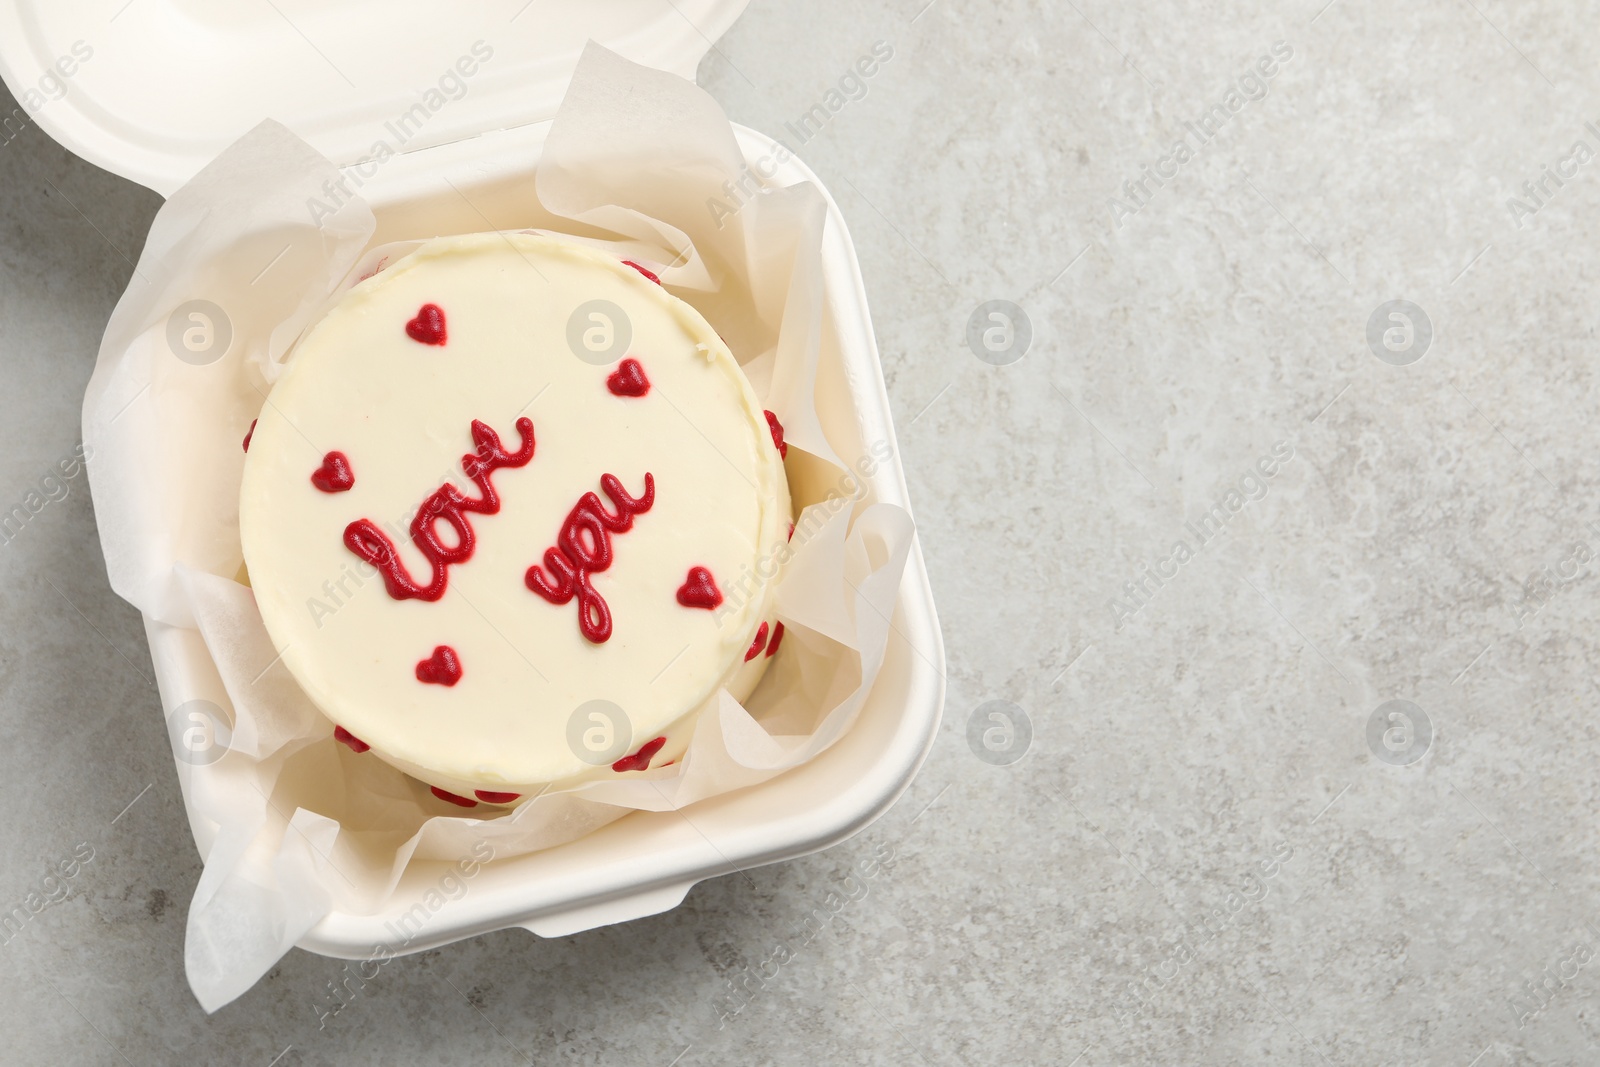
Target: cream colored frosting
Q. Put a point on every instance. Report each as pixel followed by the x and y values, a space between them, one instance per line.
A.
pixel 401 411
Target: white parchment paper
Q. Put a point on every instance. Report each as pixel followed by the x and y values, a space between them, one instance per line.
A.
pixel 292 825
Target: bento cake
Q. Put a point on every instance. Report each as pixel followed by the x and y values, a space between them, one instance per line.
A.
pixel 512 516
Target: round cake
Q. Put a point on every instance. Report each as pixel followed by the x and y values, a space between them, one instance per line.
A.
pixel 513 516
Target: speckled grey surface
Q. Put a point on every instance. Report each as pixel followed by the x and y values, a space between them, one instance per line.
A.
pixel 1201 858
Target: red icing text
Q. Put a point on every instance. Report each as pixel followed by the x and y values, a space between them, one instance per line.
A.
pixel 447 504
pixel 573 559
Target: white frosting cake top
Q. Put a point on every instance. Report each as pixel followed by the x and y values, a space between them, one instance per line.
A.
pixel 504 478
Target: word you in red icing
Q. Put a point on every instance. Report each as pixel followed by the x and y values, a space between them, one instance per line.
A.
pixel 640 760
pixel 345 737
pixel 441 668
pixel 447 504
pixel 573 559
pixel 628 379
pixel 428 326
pixel 777 435
pixel 758 644
pixel 699 590
pixel 334 476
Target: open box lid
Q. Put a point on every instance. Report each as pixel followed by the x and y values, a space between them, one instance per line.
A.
pixel 154 89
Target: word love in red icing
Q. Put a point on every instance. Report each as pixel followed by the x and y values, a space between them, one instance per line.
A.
pixel 573 560
pixel 428 326
pixel 441 668
pixel 334 476
pixel 699 590
pixel 447 505
pixel 628 379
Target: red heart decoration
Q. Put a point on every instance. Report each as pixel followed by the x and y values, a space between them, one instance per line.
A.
pixel 489 797
pixel 628 379
pixel 777 635
pixel 446 795
pixel 345 737
pixel 251 432
pixel 640 760
pixel 428 326
pixel 441 668
pixel 334 476
pixel 700 590
pixel 758 644
pixel 777 435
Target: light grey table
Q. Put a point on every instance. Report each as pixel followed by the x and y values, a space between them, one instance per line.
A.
pixel 1219 847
